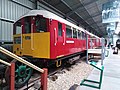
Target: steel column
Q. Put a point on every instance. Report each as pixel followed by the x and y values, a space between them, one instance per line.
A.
pixel 87 48
pixel 102 51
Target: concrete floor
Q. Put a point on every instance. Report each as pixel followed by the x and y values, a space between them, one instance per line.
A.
pixel 111 76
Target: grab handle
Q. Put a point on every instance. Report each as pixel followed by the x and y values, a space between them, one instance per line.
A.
pixel 55 36
pixel 63 37
pixel 32 37
pixel 21 37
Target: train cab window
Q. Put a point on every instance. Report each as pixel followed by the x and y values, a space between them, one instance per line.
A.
pixel 27 25
pixel 79 34
pixel 41 24
pixel 17 27
pixel 68 32
pixel 74 33
pixel 59 29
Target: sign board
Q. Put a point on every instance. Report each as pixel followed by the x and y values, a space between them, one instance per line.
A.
pixel 111 11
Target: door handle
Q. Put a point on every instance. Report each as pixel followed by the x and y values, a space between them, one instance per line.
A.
pixel 63 37
pixel 55 38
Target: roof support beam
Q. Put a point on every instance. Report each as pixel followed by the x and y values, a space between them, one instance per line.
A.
pixel 78 7
pixel 95 23
pixel 50 6
pixel 36 4
pixel 79 15
pixel 93 20
pixel 93 16
pixel 71 9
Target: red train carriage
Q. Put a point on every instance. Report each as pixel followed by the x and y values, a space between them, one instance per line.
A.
pixel 93 41
pixel 42 36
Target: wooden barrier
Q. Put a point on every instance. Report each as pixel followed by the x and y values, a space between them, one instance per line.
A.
pixel 12 76
pixel 12 73
pixel 12 69
pixel 44 79
pixel 6 63
pixel 20 59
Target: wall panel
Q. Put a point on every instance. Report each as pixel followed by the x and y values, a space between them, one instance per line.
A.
pixel 11 10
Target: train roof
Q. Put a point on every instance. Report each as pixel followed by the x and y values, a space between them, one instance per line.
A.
pixel 50 15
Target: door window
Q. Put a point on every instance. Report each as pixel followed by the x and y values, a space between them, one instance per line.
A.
pixel 74 33
pixel 17 27
pixel 79 35
pixel 27 25
pixel 83 36
pixel 59 29
pixel 68 32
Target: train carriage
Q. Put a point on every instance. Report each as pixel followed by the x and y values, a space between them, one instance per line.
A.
pixel 43 37
pixel 41 34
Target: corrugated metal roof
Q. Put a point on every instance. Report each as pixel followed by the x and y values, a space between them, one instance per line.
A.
pixel 86 12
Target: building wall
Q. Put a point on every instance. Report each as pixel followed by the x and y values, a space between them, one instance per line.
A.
pixel 11 10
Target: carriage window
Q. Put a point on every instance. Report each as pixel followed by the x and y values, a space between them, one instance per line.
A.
pixel 18 28
pixel 92 39
pixel 83 36
pixel 68 32
pixel 27 25
pixel 17 40
pixel 97 40
pixel 74 33
pixel 41 25
pixel 79 34
pixel 59 29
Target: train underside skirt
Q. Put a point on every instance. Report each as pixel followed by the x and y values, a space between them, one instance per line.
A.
pixel 42 62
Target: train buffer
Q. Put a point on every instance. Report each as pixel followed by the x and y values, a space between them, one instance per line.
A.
pixel 92 83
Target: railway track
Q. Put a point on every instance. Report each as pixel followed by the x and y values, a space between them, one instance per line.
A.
pixel 35 79
pixel 51 74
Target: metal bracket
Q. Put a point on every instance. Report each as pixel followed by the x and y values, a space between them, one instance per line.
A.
pixel 95 82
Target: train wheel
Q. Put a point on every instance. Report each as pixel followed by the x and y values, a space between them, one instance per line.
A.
pixel 22 74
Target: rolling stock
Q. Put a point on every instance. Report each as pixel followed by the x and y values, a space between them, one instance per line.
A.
pixel 42 34
pixel 43 37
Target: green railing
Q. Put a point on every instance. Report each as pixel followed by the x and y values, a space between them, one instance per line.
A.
pixel 93 83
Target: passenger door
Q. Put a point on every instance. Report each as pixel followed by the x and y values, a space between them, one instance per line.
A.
pixel 27 36
pixel 60 40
